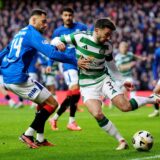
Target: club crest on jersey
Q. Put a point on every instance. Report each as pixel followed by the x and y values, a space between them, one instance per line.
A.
pixel 45 42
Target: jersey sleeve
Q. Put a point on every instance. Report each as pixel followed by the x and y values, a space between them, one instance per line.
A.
pixel 69 39
pixel 37 41
pixel 3 53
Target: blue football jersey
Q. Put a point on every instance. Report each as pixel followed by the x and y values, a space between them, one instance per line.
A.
pixel 18 55
pixel 156 63
pixel 70 50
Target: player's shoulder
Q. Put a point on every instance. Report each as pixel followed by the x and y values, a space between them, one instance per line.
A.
pixel 59 29
pixel 80 24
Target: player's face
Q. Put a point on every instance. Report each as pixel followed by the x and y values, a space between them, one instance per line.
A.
pixel 123 47
pixel 41 23
pixel 67 18
pixel 103 35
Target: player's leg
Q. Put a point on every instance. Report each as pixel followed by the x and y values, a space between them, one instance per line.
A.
pixel 34 91
pixel 60 111
pixel 72 125
pixel 72 82
pixel 111 90
pixel 94 107
pixel 91 98
pixel 73 95
pixel 155 113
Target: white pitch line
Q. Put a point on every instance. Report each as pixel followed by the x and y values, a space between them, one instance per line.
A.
pixel 150 157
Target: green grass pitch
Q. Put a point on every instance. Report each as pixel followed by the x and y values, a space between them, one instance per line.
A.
pixel 91 143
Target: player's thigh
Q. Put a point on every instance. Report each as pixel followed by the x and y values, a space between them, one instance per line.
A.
pixel 71 77
pixel 94 107
pixel 31 90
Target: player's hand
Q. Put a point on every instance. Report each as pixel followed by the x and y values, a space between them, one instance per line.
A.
pixel 129 86
pixel 61 46
pixel 48 69
pixel 83 63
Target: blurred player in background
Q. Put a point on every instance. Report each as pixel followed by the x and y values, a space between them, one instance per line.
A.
pixel 126 61
pixel 156 81
pixel 70 71
pixel 95 81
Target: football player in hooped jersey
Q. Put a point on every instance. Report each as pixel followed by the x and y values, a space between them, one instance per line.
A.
pixel 15 60
pixel 70 72
pixel 95 81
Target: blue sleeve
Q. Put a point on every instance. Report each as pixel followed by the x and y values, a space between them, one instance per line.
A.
pixel 37 41
pixel 50 62
pixel 3 53
pixel 155 65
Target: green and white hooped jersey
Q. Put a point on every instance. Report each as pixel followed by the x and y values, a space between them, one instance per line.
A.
pixel 87 47
pixel 124 59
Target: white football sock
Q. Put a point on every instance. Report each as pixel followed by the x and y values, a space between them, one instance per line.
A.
pixel 112 130
pixel 29 132
pixel 40 137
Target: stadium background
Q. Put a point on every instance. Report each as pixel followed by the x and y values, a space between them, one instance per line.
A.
pixel 136 21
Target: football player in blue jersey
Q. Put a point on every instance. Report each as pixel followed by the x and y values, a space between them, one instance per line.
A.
pixel 70 72
pixel 15 60
pixel 156 81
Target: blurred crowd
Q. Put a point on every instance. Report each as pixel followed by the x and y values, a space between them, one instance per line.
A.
pixel 138 22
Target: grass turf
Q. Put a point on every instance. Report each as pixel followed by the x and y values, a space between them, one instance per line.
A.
pixel 91 143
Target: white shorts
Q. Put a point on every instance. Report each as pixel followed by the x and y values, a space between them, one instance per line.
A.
pixel 33 76
pixel 106 88
pixel 31 90
pixel 71 77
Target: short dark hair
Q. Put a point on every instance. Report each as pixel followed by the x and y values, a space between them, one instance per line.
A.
pixel 105 22
pixel 70 10
pixel 38 12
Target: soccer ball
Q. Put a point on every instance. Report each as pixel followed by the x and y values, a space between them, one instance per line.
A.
pixel 142 141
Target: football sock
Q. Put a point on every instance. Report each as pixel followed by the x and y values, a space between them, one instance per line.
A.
pixel 73 104
pixel 109 127
pixel 29 132
pixel 71 120
pixel 40 137
pixel 140 101
pixel 156 106
pixel 41 117
pixel 64 106
pixel 55 117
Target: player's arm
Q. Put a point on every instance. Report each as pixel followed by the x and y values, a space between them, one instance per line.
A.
pixel 42 45
pixel 116 74
pixel 113 68
pixel 60 42
pixel 125 67
pixel 3 53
